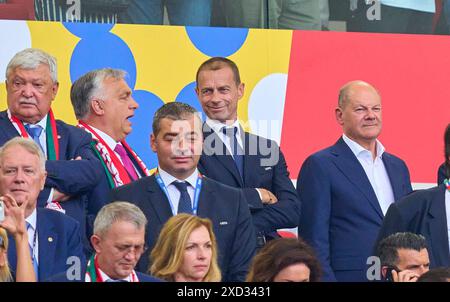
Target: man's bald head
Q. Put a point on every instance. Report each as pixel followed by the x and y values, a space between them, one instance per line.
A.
pixel 349 88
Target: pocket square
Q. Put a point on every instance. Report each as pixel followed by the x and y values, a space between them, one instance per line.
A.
pixel 268 168
pixel 223 223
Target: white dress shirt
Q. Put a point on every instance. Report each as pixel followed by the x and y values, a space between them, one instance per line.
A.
pixel 174 193
pixel 375 171
pixel 42 136
pixel 217 128
pixel 32 220
pixel 105 277
pixel 112 144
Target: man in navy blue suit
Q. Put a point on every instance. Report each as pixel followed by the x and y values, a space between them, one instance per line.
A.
pixel 240 159
pixel 72 169
pixel 178 187
pixel 54 238
pixel 347 188
pixel 119 242
pixel 103 105
pixel 425 212
pixel 442 174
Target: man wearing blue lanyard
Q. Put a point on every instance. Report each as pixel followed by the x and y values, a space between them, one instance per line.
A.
pixel 425 212
pixel 177 187
pixel 53 237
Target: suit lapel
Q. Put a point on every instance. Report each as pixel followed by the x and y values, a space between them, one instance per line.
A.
pixel 205 200
pixel 7 127
pixel 48 239
pixel 437 227
pixel 349 165
pixel 136 164
pixel 212 146
pixel 396 182
pixel 157 200
pixel 251 160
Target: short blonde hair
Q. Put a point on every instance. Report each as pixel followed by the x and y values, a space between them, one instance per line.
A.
pixel 29 145
pixel 5 273
pixel 167 255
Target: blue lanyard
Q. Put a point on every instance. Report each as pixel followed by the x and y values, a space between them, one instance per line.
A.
pixel 198 187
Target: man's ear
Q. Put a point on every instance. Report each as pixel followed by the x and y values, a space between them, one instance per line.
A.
pixel 55 88
pixel 241 89
pixel 44 176
pixel 338 112
pixel 153 142
pixel 95 241
pixel 97 107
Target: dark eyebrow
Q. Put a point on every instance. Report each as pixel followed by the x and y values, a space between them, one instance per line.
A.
pixel 171 134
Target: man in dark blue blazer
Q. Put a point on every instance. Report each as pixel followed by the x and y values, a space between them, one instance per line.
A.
pixel 441 174
pixel 54 238
pixel 240 159
pixel 425 212
pixel 103 105
pixel 72 168
pixel 179 187
pixel 346 189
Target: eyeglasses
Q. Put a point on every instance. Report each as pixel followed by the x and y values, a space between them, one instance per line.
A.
pixel 125 249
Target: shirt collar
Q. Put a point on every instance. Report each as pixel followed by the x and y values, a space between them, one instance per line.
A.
pixel 357 149
pixel 108 139
pixel 32 219
pixel 169 179
pixel 106 277
pixel 217 126
pixel 42 123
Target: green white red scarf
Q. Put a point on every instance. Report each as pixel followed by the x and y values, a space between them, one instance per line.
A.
pixel 52 145
pixel 93 272
pixel 117 175
pixel 50 130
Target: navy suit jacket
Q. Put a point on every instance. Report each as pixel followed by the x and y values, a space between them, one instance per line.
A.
pixel 98 196
pixel 58 239
pixel 259 172
pixel 341 215
pixel 422 212
pixel 72 177
pixel 225 206
pixel 441 174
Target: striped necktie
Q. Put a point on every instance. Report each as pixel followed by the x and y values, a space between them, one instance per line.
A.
pixel 32 233
pixel 35 132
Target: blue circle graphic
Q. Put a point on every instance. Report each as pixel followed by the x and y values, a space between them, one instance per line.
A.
pixel 87 30
pixel 105 50
pixel 139 138
pixel 217 41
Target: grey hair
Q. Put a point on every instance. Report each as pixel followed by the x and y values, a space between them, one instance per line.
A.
pixel 29 145
pixel 90 86
pixel 388 248
pixel 31 58
pixel 346 90
pixel 118 211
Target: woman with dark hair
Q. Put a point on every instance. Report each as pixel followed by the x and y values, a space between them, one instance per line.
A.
pixel 285 260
